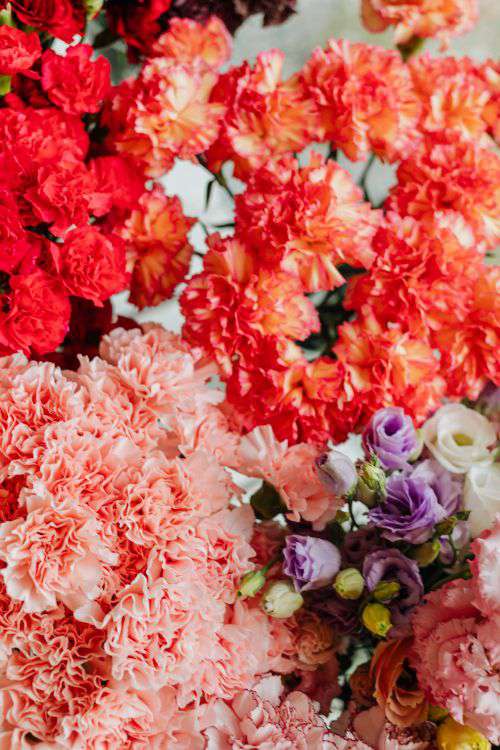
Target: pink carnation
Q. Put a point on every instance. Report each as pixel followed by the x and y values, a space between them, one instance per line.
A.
pixel 265 720
pixel 486 570
pixel 457 659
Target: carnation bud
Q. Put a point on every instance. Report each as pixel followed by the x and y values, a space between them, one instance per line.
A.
pixel 377 619
pixel 349 583
pixel 452 735
pixel 251 583
pixel 280 600
pixel 92 8
pixel 6 17
pixel 337 472
pixel 371 485
pixel 426 553
pixel 386 590
pixel 267 502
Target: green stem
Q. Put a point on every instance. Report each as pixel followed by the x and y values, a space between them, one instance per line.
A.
pixel 218 176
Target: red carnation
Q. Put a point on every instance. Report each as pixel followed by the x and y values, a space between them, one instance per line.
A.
pixel 73 82
pixel 35 314
pixel 18 249
pixel 65 194
pixel 18 50
pixel 91 264
pixel 60 18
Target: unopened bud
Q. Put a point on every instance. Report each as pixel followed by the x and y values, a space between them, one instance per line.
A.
pixel 280 600
pixel 5 85
pixel 386 590
pixel 251 583
pixel 349 583
pixel 451 735
pixel 377 619
pixel 426 553
pixel 92 8
pixel 371 484
pixel 337 472
pixel 436 713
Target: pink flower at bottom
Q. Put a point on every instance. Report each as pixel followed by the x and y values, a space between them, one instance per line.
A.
pixel 456 656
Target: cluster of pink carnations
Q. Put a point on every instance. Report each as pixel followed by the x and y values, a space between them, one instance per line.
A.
pixel 146 603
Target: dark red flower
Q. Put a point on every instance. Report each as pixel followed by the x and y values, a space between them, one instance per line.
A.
pixel 60 18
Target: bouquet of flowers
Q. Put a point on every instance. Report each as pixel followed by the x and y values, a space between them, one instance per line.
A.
pixel 191 556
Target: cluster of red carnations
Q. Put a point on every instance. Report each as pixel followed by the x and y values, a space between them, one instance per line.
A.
pixel 418 318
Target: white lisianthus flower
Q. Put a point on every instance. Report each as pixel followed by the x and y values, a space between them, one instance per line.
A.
pixel 459 438
pixel 482 496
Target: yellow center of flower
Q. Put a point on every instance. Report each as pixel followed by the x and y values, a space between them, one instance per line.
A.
pixel 461 439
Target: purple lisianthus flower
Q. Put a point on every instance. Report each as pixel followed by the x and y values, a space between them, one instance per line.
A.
pixel 391 436
pixel 447 487
pixel 337 472
pixel 391 565
pixel 310 562
pixel 409 512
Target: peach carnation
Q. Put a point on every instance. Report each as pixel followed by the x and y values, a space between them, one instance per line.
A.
pixel 455 95
pixel 365 99
pixel 448 177
pixel 166 114
pixel 188 41
pixel 456 657
pixel 486 569
pixel 265 116
pixel 159 252
pixel 55 555
pixel 308 219
pixel 422 18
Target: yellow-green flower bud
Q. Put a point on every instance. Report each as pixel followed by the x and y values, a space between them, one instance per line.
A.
pixel 280 600
pixel 426 553
pixel 92 8
pixel 371 484
pixel 251 583
pixel 377 619
pixel 454 736
pixel 349 583
pixel 436 713
pixel 420 446
pixel 386 590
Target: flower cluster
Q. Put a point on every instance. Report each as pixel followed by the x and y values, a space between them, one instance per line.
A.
pixel 122 541
pixel 393 574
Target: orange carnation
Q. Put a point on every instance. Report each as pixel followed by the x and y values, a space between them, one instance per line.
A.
pixel 424 18
pixel 307 219
pixel 365 99
pixel 231 304
pixel 265 116
pixel 158 248
pixel 469 340
pixel 188 41
pixel 447 178
pixel 388 367
pixel 403 706
pixel 455 95
pixel 420 276
pixel 167 114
